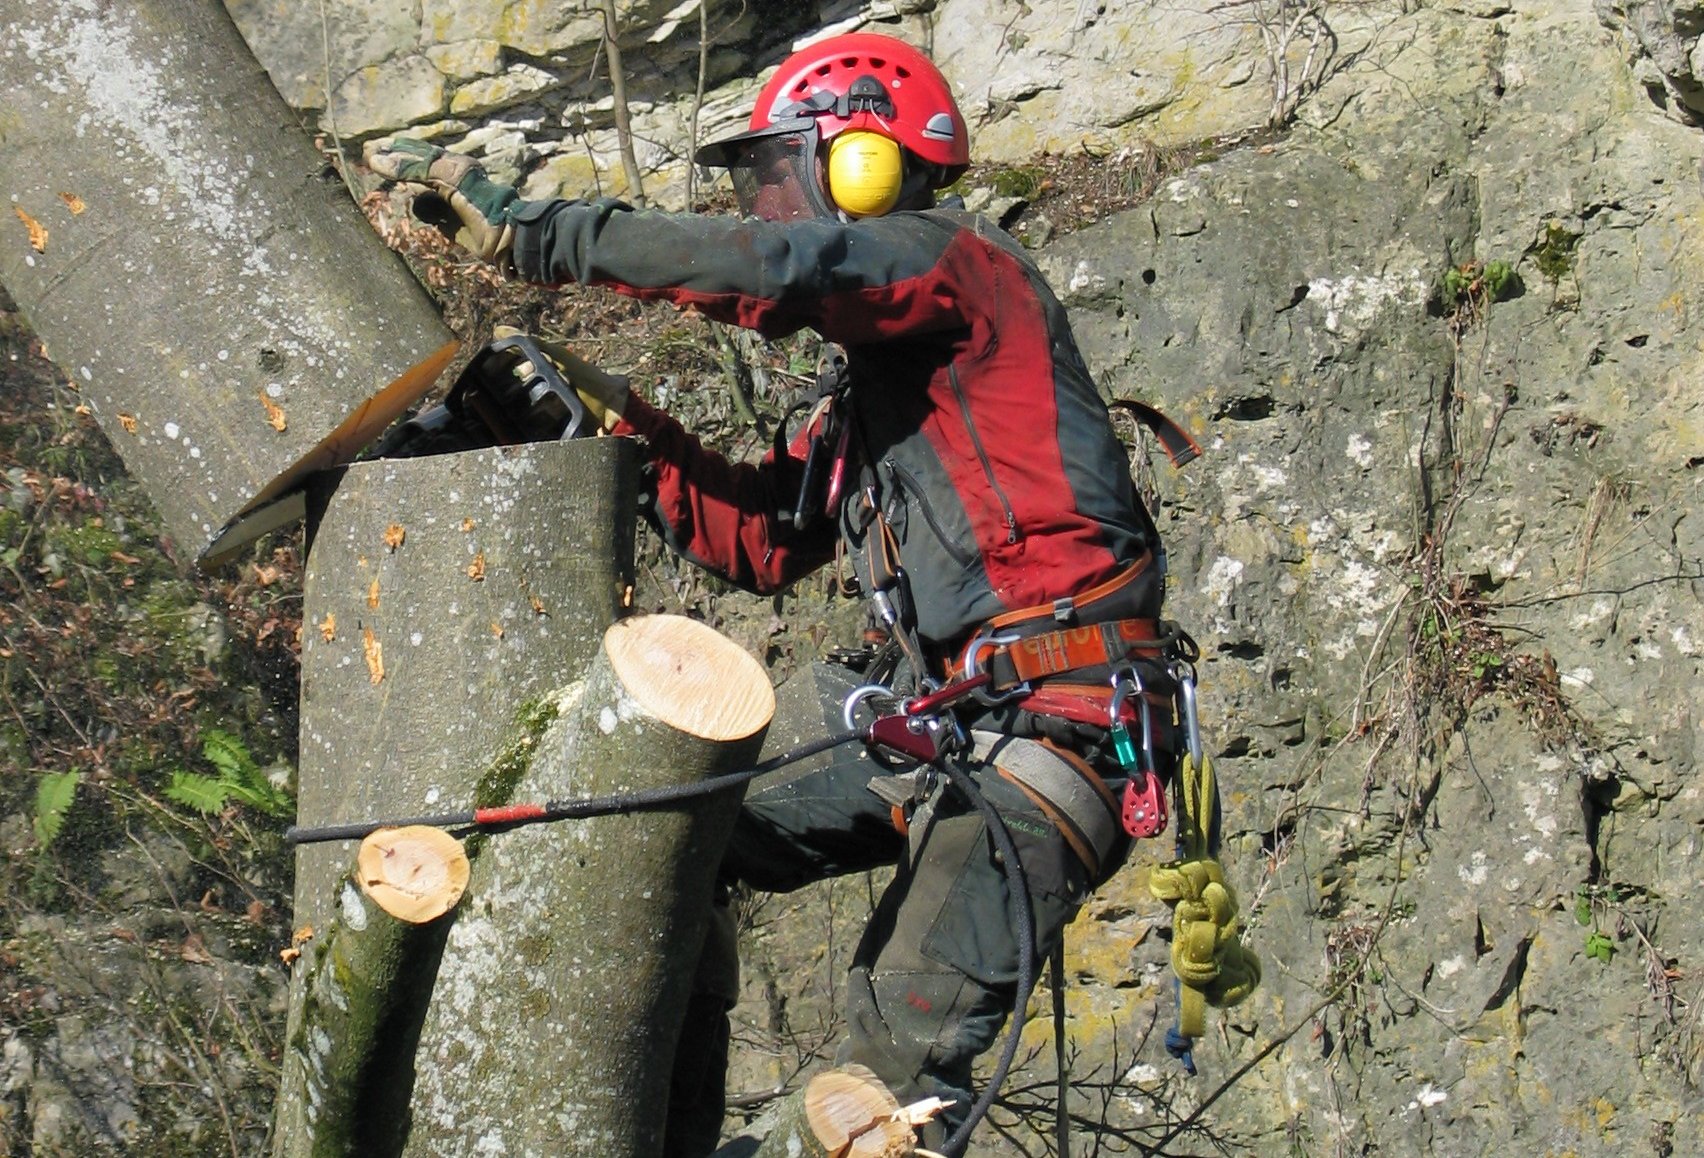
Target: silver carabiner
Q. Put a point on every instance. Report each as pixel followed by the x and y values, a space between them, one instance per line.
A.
pixel 858 695
pixel 973 665
pixel 1185 676
pixel 1125 681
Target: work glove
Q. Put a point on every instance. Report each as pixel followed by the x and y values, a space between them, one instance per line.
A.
pixel 483 206
pixel 603 394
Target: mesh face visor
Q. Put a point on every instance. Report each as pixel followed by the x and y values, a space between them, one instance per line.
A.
pixel 775 176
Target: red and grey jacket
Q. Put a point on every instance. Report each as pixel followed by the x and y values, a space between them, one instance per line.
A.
pixel 987 444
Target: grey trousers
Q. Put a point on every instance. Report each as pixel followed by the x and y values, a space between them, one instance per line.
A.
pixel 934 975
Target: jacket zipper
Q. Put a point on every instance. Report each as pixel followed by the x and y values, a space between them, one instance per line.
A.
pixel 982 456
pixel 907 485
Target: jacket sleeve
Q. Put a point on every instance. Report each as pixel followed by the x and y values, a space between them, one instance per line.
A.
pixel 724 515
pixel 854 283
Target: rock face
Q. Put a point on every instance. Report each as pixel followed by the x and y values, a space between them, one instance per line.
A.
pixel 1441 557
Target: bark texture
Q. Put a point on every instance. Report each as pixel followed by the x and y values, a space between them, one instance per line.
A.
pixel 564 981
pixel 444 598
pixel 194 266
pixel 365 980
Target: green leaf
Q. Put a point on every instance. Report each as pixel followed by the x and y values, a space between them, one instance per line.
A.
pixel 202 793
pixel 261 796
pixel 1600 947
pixel 228 754
pixel 55 793
pixel 1582 908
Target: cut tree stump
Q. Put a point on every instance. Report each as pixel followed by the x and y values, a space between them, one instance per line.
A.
pixel 364 975
pixel 841 1113
pixel 565 978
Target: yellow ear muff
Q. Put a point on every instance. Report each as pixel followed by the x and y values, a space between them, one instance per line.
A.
pixel 865 171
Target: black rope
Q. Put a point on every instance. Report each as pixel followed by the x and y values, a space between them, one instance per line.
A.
pixel 1023 927
pixel 614 804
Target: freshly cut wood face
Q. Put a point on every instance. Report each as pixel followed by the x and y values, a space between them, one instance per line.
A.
pixel 415 874
pixel 690 676
pixel 854 1115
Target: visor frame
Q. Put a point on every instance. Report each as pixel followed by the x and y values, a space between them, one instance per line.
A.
pixel 742 153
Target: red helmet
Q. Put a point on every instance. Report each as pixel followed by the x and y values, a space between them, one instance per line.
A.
pixel 856 81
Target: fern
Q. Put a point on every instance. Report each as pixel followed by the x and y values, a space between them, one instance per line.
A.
pixel 202 793
pixel 239 779
pixel 55 793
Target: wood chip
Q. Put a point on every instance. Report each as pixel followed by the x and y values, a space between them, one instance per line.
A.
pixel 274 414
pixel 394 536
pixel 128 421
pixel 467 524
pixel 373 593
pixel 74 203
pixel 37 231
pixel 476 569
pixel 328 627
pixel 375 655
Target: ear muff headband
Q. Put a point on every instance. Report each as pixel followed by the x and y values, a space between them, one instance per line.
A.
pixel 865 173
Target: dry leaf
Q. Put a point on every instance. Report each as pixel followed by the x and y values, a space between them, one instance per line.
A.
pixel 274 414
pixel 255 913
pixel 74 203
pixel 82 410
pixel 476 569
pixel 537 604
pixel 467 524
pixel 375 655
pixel 373 593
pixel 38 231
pixel 394 535
pixel 289 955
pixel 328 627
pixel 194 950
pixel 128 421
pixel 302 936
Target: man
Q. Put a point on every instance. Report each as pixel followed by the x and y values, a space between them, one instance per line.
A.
pixel 974 473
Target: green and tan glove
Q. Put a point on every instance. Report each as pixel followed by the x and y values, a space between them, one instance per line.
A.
pixel 604 394
pixel 482 205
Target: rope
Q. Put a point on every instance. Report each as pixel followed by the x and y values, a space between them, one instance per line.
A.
pixel 1023 926
pixel 1211 963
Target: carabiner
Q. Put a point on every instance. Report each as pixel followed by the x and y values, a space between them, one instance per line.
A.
pixel 858 695
pixel 1123 682
pixel 973 650
pixel 1186 707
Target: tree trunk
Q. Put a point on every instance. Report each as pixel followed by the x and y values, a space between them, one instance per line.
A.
pixel 564 983
pixel 844 1113
pixel 444 599
pixel 364 981
pixel 192 263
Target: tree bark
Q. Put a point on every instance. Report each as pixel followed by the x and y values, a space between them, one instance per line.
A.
pixel 191 262
pixel 565 981
pixel 444 599
pixel 365 975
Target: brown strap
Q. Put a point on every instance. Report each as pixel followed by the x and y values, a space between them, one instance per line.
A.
pixel 1052 653
pixel 1179 447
